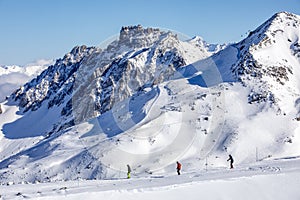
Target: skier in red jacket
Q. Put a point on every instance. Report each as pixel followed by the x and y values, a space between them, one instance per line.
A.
pixel 178 167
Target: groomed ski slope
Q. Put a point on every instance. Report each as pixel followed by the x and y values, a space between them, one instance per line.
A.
pixel 275 179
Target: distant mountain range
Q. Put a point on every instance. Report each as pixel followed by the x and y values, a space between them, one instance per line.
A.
pixel 12 77
pixel 149 99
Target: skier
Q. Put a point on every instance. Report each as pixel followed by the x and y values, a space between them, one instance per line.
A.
pixel 231 161
pixel 178 167
pixel 128 171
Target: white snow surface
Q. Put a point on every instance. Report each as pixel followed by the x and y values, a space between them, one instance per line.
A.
pixel 276 180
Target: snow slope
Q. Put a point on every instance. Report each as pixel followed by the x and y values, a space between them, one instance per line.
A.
pixel 275 180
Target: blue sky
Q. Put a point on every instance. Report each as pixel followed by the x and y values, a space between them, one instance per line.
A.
pixel 46 29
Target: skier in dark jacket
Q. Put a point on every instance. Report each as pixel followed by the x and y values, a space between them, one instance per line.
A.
pixel 178 167
pixel 128 171
pixel 231 161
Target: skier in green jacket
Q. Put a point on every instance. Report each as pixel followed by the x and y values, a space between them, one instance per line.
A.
pixel 128 171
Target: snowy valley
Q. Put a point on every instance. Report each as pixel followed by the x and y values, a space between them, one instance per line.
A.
pixel 149 99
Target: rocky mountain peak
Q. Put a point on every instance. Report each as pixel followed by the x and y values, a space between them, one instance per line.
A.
pixel 136 31
pixel 279 23
pixel 138 37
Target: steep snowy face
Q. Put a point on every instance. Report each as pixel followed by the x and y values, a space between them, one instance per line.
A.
pixel 269 61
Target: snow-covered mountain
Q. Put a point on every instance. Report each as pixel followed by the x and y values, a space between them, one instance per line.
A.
pixel 141 57
pixel 149 99
pixel 270 56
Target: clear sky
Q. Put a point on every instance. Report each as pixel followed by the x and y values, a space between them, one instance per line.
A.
pixel 47 29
